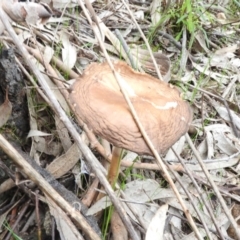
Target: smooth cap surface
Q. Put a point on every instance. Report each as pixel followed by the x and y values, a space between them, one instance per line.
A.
pixel 98 102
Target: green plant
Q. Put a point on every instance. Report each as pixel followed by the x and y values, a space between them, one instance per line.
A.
pixel 186 16
pixel 14 235
pixel 177 17
pixel 106 220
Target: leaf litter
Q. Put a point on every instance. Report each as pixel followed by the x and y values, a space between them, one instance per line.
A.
pixel 209 78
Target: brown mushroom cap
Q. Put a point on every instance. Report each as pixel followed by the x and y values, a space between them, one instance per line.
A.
pixel 98 102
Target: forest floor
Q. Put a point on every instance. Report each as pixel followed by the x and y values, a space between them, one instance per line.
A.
pixel 53 168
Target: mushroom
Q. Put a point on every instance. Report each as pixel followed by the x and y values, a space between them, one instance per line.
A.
pixel 98 101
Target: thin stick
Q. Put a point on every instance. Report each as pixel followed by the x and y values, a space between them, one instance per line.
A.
pixel 126 48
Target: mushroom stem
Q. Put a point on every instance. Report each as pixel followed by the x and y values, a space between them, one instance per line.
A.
pixel 114 165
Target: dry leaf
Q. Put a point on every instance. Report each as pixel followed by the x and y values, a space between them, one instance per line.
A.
pixel 49 147
pixel 63 133
pixel 225 50
pixel 23 35
pixel 139 191
pixel 215 165
pixel 218 132
pixel 145 60
pixel 5 110
pixel 223 112
pixel 200 42
pixel 60 4
pixel 65 162
pixel 220 78
pixel 139 15
pixel 65 226
pixel 155 11
pixel 41 140
pixel 69 52
pixel 178 147
pixel 48 54
pixel 30 12
pixel 156 227
pixel 37 133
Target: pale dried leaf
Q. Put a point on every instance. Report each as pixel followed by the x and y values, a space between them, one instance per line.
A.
pixel 37 13
pixel 155 11
pixel 215 165
pixel 127 31
pixel 222 60
pixel 48 54
pixel 202 149
pixel 139 15
pixel 210 145
pixel 78 171
pixel 220 78
pixel 223 112
pixel 58 20
pixel 235 62
pixel 146 190
pixel 46 1
pixel 65 226
pixel 192 235
pixel 156 227
pixel 223 143
pixel 22 36
pixel 178 147
pixel 195 201
pixel 6 185
pixel 175 204
pixel 60 4
pixel 229 49
pixel 26 11
pixel 106 14
pixel 130 156
pixel 50 35
pixel 69 52
pixel 175 219
pixel 37 133
pixel 49 147
pixel 100 205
